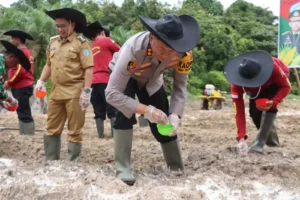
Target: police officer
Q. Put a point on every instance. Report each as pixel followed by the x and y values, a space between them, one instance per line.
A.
pixel 137 69
pixel 12 57
pixel 69 64
pixel 21 82
pixel 292 37
pixel 103 48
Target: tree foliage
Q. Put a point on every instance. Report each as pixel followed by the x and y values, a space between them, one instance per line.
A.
pixel 224 33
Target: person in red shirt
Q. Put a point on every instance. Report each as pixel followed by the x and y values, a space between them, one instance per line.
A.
pixel 21 82
pixel 260 76
pixel 103 49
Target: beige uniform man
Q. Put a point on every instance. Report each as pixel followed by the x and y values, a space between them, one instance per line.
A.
pixel 69 64
pixel 137 69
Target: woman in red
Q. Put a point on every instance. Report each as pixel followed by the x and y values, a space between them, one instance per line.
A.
pixel 260 76
pixel 103 49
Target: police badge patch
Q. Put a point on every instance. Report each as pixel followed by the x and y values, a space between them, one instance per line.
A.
pixel 86 52
pixel 132 65
pixel 185 65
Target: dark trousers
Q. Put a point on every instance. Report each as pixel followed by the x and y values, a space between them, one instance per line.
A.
pixel 255 114
pixel 23 95
pixel 100 106
pixel 158 100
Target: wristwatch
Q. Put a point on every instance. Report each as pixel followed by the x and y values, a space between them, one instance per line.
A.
pixel 87 90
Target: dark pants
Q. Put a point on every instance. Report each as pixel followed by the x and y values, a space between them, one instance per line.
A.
pixel 100 106
pixel 24 110
pixel 158 100
pixel 255 114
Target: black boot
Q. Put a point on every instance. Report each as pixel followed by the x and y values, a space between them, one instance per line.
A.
pixel 267 120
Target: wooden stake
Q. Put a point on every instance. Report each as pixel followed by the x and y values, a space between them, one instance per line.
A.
pixel 297 77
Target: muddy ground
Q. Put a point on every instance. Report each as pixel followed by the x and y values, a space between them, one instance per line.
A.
pixel 213 170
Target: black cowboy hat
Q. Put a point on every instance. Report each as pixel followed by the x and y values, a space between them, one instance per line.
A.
pixel 106 31
pixel 251 69
pixel 69 13
pixel 92 28
pixel 10 48
pixel 181 33
pixel 19 34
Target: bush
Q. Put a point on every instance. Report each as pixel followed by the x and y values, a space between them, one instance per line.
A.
pixel 295 89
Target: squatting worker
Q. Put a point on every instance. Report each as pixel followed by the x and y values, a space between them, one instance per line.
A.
pixel 261 76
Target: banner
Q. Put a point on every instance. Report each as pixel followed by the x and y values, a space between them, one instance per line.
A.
pixel 289 33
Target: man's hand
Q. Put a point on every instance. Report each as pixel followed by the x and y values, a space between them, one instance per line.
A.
pixel 266 108
pixel 40 86
pixel 155 115
pixel 85 98
pixel 5 85
pixel 242 147
pixel 174 120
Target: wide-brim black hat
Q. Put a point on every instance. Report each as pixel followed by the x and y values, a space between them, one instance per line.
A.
pixel 92 28
pixel 181 33
pixel 19 34
pixel 17 52
pixel 236 73
pixel 69 13
pixel 106 31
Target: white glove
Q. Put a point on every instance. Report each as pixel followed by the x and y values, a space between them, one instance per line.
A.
pixel 12 106
pixel 242 148
pixel 85 98
pixel 14 102
pixel 155 115
pixel 174 120
pixel 40 86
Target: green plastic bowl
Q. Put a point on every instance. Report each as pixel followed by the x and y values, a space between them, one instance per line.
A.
pixel 165 130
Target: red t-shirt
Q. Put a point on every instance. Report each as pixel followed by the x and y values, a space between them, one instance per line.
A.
pixel 18 77
pixel 103 50
pixel 279 77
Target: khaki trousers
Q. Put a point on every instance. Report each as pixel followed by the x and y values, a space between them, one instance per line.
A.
pixel 61 110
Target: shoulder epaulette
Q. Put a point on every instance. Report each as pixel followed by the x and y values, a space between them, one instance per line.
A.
pixel 54 37
pixel 81 38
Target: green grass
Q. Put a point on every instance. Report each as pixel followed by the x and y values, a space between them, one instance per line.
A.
pixel 293 96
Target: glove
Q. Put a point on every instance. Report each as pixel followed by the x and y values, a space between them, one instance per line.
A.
pixel 243 148
pixel 85 98
pixel 13 106
pixel 40 85
pixel 174 120
pixel 155 115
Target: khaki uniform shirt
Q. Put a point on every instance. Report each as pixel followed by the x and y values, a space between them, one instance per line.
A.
pixel 68 60
pixel 135 60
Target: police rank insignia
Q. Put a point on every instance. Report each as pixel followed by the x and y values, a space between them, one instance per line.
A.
pixel 132 65
pixel 86 52
pixel 185 65
pixel 146 64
